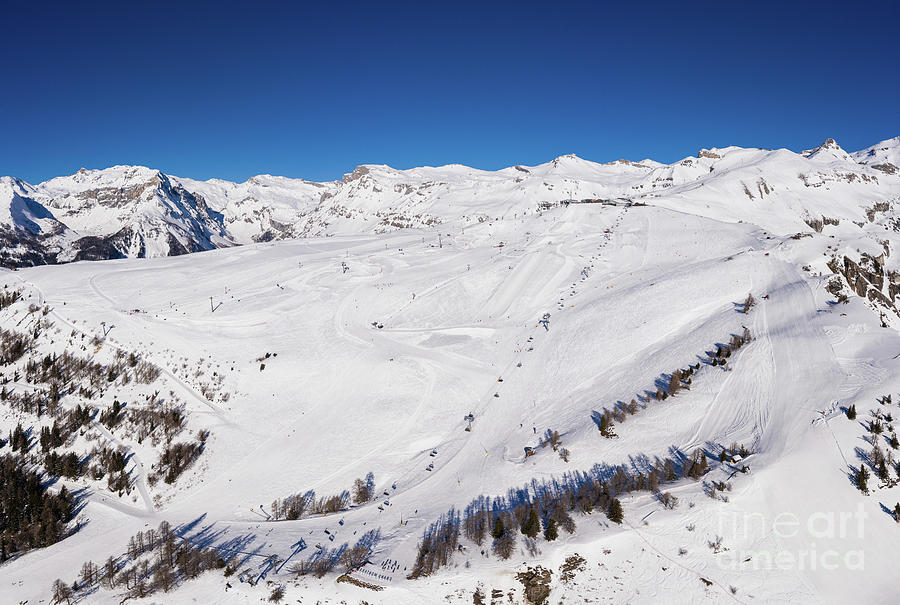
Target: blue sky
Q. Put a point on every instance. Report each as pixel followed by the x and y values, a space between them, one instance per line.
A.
pixel 310 90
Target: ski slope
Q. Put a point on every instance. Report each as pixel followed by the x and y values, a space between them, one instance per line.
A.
pixel 633 292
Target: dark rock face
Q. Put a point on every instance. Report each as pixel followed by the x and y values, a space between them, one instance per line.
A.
pixel 98 248
pixel 19 248
pixel 869 279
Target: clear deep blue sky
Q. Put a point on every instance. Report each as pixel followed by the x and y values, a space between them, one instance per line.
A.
pixel 313 89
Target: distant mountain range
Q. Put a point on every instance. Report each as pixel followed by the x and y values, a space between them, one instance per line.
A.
pixel 133 211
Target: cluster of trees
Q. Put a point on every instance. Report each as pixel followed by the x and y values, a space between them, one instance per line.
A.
pixel 363 491
pixel 325 560
pixel 9 297
pixel 296 505
pixel 37 402
pixel 63 465
pixel 30 515
pixel 157 421
pixel 178 457
pixel 56 435
pixel 735 449
pixel 723 352
pixel 111 416
pixel 13 346
pixel 679 379
pixel 171 561
pixel 68 368
pixel 107 460
pixel 65 369
pixel 749 302
pixel 881 461
pixel 18 439
pixel 546 508
pixel 438 544
pixel 291 507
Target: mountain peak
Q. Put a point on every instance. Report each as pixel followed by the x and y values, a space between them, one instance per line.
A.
pixel 566 159
pixel 829 145
pixel 829 150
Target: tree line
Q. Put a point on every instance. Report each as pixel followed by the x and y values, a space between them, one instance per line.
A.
pixel 543 509
pixel 31 516
pixel 680 379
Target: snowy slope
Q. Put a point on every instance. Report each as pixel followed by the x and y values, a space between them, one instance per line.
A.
pixel 29 233
pixel 332 373
pixel 883 156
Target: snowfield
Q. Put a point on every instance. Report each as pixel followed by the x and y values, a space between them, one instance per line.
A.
pixel 363 350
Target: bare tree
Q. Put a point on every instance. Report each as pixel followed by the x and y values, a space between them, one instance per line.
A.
pixel 62 592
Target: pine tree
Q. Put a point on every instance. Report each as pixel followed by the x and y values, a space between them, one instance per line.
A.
pixel 862 478
pixel 606 424
pixel 616 514
pixel 550 530
pixel 498 530
pixel 653 481
pixel 532 524
pixel 897 512
pixel 851 412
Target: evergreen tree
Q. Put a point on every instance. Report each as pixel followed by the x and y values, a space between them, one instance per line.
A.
pixel 532 524
pixel 498 530
pixel 550 530
pixel 897 512
pixel 851 412
pixel 862 479
pixel 616 514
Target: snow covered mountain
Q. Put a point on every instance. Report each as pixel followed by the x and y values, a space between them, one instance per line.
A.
pixel 578 379
pixel 29 233
pixel 132 211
